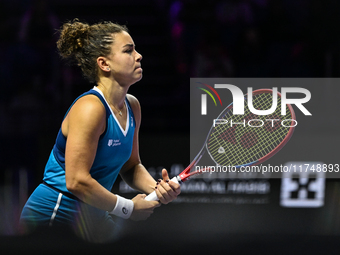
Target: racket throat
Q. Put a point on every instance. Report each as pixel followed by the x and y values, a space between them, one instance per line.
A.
pixel 177 179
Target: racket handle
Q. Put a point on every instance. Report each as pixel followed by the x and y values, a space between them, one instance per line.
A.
pixel 153 196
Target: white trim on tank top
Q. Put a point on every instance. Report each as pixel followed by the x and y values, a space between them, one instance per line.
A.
pixel 114 116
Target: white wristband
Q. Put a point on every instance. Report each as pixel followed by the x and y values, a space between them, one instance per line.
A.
pixel 123 207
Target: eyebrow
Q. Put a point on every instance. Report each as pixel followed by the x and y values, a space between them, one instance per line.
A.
pixel 128 45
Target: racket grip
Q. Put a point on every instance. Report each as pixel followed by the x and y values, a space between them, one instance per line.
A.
pixel 153 196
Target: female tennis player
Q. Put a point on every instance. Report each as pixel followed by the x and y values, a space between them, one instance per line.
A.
pixel 98 140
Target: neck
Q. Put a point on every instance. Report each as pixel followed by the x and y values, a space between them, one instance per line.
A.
pixel 113 92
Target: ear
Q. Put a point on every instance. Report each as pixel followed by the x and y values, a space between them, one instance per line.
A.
pixel 101 62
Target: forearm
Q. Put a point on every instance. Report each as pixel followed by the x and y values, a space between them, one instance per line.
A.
pixel 139 179
pixel 91 192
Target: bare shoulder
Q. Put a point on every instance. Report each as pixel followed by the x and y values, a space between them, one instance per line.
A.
pixel 133 100
pixel 89 105
pixel 88 112
pixel 135 107
pixel 134 104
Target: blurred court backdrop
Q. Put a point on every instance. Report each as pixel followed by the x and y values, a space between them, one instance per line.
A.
pixel 178 40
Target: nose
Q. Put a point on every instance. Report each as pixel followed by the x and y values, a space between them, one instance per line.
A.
pixel 139 57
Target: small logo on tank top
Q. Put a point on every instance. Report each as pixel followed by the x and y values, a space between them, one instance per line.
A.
pixel 113 142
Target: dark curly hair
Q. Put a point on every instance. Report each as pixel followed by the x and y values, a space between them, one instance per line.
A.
pixel 85 43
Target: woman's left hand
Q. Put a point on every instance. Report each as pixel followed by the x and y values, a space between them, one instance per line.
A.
pixel 166 189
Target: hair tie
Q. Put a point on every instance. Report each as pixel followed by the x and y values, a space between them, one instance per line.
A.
pixel 79 44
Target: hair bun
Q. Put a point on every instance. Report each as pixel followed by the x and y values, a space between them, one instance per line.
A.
pixel 83 44
pixel 73 37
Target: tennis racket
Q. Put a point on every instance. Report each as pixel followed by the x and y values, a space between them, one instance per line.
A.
pixel 244 145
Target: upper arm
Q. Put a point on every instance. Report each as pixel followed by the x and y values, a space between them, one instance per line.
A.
pixel 134 158
pixel 82 126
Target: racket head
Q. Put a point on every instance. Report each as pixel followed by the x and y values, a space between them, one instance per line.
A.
pixel 244 145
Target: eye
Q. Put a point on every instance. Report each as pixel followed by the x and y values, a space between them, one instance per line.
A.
pixel 129 51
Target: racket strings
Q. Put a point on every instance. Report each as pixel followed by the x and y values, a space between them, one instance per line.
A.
pixel 267 140
pixel 240 143
pixel 258 103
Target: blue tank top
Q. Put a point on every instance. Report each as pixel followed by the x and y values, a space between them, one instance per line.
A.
pixel 114 149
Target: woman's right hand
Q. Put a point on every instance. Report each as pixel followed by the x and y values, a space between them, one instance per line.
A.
pixel 142 208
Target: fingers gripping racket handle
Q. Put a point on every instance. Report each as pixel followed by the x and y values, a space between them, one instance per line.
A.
pixel 153 196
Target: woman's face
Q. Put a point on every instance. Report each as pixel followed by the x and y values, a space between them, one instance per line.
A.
pixel 124 61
